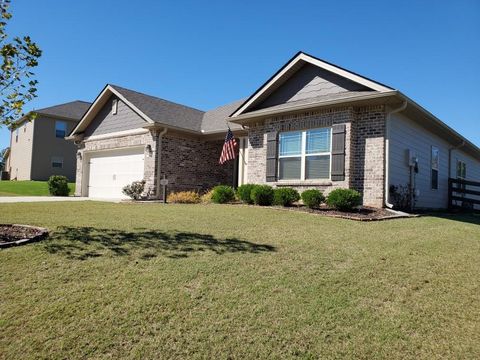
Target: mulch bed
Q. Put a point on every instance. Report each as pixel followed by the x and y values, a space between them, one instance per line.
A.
pixel 361 214
pixel 14 234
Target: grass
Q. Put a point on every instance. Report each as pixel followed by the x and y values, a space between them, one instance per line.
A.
pixel 192 281
pixel 27 188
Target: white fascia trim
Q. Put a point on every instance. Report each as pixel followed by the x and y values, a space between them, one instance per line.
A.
pixel 267 112
pixel 93 107
pixel 116 134
pixel 303 57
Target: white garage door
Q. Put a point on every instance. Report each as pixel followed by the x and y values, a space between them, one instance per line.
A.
pixel 111 171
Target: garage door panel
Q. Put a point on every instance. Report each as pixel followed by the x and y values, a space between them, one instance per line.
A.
pixel 109 172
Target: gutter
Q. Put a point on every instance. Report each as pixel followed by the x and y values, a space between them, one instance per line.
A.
pixel 387 151
pixel 260 113
pixel 159 161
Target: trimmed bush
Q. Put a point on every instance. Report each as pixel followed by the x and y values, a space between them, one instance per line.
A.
pixel 244 193
pixel 344 199
pixel 312 198
pixel 184 197
pixel 285 196
pixel 223 194
pixel 134 190
pixel 58 185
pixel 262 195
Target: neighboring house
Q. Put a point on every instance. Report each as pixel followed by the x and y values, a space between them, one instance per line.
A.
pixel 38 148
pixel 311 125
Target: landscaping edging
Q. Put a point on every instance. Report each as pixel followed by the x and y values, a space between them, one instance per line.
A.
pixel 348 216
pixel 39 234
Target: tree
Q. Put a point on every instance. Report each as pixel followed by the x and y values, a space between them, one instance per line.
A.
pixel 19 55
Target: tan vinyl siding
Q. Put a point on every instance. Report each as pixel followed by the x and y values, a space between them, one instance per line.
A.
pixel 105 122
pixel 48 146
pixel 406 134
pixel 21 152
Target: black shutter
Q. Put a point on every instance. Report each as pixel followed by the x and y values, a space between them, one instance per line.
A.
pixel 271 156
pixel 338 152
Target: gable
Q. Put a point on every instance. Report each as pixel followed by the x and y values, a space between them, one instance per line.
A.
pixel 105 122
pixel 309 81
pixel 311 77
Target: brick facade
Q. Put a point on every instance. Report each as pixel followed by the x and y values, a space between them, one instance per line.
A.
pixel 191 164
pixel 364 149
pixel 188 164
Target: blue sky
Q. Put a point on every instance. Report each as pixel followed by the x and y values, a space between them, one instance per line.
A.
pixel 208 53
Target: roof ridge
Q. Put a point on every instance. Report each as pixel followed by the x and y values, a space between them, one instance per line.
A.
pixel 156 97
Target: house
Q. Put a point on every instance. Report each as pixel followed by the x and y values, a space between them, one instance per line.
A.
pixel 38 148
pixel 311 125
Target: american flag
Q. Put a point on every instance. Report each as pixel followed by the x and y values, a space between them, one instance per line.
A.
pixel 229 148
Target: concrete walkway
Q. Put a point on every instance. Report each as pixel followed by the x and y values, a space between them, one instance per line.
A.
pixel 21 199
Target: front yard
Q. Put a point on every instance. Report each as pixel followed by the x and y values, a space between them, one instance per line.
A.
pixel 27 188
pixel 194 281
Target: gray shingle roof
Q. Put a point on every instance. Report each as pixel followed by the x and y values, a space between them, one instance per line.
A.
pixel 73 110
pixel 215 120
pixel 181 116
pixel 163 111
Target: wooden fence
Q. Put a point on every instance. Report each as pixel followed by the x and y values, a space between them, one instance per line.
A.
pixel 463 194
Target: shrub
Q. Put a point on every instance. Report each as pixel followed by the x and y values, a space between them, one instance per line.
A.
pixel 400 197
pixel 312 198
pixel 207 197
pixel 262 195
pixel 223 194
pixel 134 190
pixel 344 199
pixel 58 185
pixel 244 193
pixel 184 197
pixel 285 196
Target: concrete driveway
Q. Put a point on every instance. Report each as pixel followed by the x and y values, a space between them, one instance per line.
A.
pixel 20 199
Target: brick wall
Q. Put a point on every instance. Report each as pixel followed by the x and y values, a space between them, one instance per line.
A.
pixel 119 143
pixel 191 164
pixel 188 164
pixel 364 149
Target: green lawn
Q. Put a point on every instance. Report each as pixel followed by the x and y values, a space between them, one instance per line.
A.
pixel 152 281
pixel 27 188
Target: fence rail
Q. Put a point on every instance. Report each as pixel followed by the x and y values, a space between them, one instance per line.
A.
pixel 458 191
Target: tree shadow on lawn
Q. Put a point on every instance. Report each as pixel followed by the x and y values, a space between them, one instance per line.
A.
pixel 82 243
pixel 467 217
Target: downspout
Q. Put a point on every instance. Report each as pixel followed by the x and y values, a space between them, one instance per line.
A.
pixel 387 151
pixel 159 160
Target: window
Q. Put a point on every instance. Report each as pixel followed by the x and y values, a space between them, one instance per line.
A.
pixel 114 106
pixel 435 158
pixel 305 155
pixel 461 170
pixel 17 130
pixel 60 129
pixel 57 162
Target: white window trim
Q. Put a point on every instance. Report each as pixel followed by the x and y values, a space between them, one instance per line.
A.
pixel 114 106
pixel 432 168
pixel 456 170
pixel 303 155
